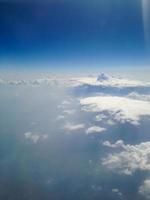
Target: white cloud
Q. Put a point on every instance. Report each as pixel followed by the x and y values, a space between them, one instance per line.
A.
pixel 96 187
pixel 17 82
pixel 31 136
pixel 100 117
pixel 34 137
pixel 116 190
pixel 61 106
pixel 144 189
pixel 110 122
pixel 95 129
pixel 121 109
pixel 66 103
pixel 47 81
pixel 41 81
pixel 69 112
pixel 73 127
pixel 60 117
pixel 104 80
pixel 33 123
pixel 119 143
pixel 128 158
pixel 44 136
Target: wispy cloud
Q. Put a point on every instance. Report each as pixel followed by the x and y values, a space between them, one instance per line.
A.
pixel 34 137
pixel 73 127
pixel 95 129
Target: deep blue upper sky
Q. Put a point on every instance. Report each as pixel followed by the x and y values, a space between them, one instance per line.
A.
pixel 69 32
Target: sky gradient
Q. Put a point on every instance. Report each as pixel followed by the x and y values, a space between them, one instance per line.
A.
pixel 66 33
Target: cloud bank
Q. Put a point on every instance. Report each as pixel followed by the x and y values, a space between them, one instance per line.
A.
pixel 121 109
pixel 128 158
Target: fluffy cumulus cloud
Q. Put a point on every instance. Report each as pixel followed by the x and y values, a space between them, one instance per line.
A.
pixel 95 129
pixel 144 189
pixel 121 109
pixel 116 191
pixel 127 158
pixel 105 80
pixel 119 143
pixel 73 127
pixel 34 137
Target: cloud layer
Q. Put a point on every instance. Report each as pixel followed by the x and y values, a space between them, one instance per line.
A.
pixel 120 108
pixel 128 158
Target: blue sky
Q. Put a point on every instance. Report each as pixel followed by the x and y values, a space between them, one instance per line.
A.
pixel 66 34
